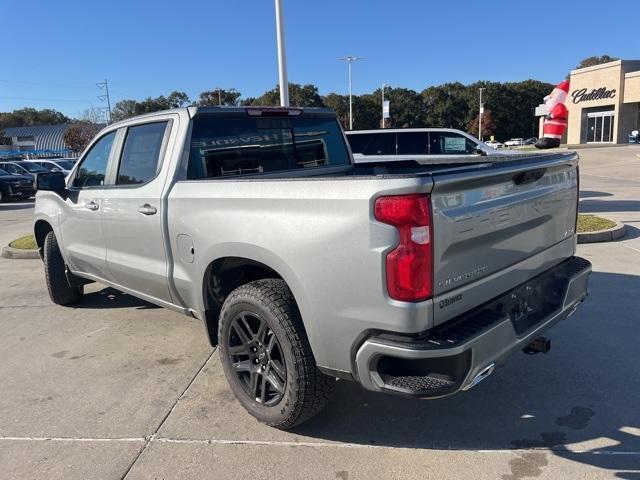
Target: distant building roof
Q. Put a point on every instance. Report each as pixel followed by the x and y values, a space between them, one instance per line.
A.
pixel 46 137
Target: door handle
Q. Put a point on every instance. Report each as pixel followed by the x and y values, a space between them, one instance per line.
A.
pixel 147 209
pixel 92 206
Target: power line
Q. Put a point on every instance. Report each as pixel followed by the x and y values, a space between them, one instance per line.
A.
pixel 38 84
pixel 46 99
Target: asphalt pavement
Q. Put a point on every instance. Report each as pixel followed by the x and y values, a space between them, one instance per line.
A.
pixel 117 388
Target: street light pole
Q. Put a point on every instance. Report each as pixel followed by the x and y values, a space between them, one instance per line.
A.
pixel 282 58
pixel 350 59
pixel 383 122
pixel 480 116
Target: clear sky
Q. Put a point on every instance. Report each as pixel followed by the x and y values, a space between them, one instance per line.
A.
pixel 149 48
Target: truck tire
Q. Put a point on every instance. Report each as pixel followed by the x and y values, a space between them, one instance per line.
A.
pixel 60 290
pixel 266 355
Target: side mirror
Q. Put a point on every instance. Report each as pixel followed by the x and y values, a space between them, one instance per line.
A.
pixel 482 152
pixel 52 181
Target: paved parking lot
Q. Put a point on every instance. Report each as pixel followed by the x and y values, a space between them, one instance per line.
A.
pixel 117 388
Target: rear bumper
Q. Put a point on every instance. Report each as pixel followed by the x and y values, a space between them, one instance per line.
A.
pixel 459 353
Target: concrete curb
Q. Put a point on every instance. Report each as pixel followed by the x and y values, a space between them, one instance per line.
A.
pixel 18 254
pixel 608 235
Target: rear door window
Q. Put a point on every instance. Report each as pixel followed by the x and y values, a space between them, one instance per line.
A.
pixel 243 145
pixel 413 143
pixel 141 153
pixel 450 143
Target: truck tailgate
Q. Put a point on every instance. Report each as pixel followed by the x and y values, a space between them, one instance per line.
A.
pixel 494 227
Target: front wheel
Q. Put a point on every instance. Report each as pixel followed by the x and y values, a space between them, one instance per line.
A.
pixel 55 271
pixel 266 355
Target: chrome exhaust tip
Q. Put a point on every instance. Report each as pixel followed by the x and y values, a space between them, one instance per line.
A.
pixel 484 373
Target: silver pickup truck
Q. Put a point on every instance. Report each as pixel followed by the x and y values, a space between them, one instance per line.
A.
pixel 305 267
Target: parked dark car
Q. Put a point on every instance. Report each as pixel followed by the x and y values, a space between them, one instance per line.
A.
pixel 530 141
pixel 15 186
pixel 23 168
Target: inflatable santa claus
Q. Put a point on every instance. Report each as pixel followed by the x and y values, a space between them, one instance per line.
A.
pixel 555 123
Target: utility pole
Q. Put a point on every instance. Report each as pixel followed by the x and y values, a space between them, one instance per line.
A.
pixel 350 59
pixel 105 86
pixel 383 122
pixel 480 116
pixel 219 96
pixel 282 57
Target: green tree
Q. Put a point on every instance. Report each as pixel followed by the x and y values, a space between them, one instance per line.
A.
pixel 339 104
pixel 27 117
pixel 366 111
pixel 299 96
pixel 129 108
pixel 219 97
pixel 447 105
pixel 596 60
pixel 4 140
pixel 406 107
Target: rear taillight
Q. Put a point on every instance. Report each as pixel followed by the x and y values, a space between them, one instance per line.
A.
pixel 409 266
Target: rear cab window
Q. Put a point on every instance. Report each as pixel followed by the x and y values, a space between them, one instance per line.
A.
pixel 239 144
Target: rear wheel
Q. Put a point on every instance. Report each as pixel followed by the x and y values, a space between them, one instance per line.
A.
pixel 55 271
pixel 266 355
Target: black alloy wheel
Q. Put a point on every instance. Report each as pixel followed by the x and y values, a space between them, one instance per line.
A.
pixel 257 359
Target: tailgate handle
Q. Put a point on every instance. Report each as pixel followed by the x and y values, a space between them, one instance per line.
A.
pixel 529 176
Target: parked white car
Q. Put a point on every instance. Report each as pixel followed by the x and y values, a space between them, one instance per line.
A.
pixel 494 144
pixel 55 165
pixel 514 142
pixel 428 144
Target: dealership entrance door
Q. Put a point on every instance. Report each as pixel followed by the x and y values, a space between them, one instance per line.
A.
pixel 600 127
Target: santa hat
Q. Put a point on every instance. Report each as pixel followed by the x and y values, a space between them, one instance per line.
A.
pixel 564 86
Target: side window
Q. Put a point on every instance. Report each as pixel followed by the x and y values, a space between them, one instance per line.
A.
pixel 359 141
pixel 382 144
pixel 94 165
pixel 413 143
pixel 12 169
pixel 141 153
pixel 450 143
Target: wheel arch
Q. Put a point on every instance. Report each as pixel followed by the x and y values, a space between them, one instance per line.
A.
pixel 225 273
pixel 40 230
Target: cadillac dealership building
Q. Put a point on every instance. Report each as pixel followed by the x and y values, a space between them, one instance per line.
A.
pixel 603 103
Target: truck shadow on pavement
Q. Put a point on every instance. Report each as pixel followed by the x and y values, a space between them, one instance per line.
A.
pixel 602 206
pixel 6 207
pixel 594 193
pixel 111 298
pixel 579 402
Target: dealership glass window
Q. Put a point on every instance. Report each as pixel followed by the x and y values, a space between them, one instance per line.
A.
pixel 600 127
pixel 94 165
pixel 413 143
pixel 141 153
